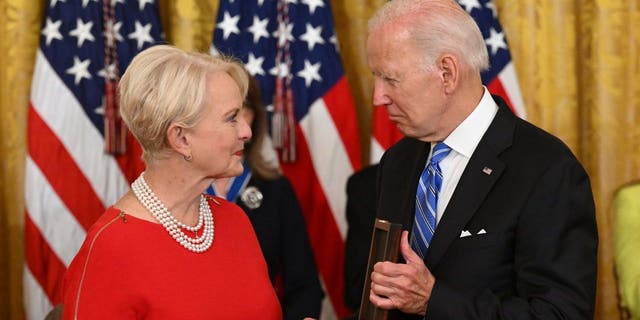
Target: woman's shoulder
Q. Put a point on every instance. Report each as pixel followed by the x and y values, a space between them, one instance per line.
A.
pixel 112 232
pixel 103 246
pixel 108 219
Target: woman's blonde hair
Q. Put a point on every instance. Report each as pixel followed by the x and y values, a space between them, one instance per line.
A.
pixel 165 85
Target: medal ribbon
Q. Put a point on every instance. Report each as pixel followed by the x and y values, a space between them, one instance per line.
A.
pixel 238 184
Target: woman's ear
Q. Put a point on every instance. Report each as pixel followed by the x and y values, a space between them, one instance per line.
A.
pixel 178 141
pixel 449 72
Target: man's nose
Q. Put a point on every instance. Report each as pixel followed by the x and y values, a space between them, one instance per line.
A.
pixel 380 96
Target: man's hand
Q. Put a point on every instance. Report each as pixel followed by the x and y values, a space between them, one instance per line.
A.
pixel 406 287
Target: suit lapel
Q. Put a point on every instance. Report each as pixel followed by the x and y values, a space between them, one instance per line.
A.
pixel 481 173
pixel 402 179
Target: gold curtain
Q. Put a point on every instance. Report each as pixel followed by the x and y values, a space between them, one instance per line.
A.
pixel 577 62
pixel 20 30
pixel 578 66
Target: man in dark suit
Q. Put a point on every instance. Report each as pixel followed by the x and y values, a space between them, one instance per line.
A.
pixel 515 232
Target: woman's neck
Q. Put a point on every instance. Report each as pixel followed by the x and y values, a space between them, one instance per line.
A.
pixel 221 186
pixel 178 189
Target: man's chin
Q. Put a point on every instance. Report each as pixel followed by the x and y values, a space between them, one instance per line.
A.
pixel 409 132
pixel 405 130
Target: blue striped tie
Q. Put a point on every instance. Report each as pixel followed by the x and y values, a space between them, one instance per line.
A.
pixel 426 201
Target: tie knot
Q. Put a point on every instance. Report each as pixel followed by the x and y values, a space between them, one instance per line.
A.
pixel 440 151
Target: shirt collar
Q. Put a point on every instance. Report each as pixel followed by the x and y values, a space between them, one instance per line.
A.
pixel 465 138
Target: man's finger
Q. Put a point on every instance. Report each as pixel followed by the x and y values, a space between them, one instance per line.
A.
pixel 381 302
pixel 382 290
pixel 407 252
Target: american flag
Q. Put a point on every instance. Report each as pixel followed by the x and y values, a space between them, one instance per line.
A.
pixel 295 41
pixel 70 179
pixel 500 79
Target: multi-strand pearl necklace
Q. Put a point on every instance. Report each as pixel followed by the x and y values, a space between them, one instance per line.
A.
pixel 159 211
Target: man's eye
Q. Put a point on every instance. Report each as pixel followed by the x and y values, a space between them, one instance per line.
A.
pixel 390 80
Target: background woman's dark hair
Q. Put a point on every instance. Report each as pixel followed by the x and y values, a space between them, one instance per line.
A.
pixel 255 157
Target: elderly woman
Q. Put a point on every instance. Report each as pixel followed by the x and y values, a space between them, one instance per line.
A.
pixel 269 201
pixel 154 254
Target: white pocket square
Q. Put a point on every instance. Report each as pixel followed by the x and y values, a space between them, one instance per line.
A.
pixel 465 233
pixel 482 231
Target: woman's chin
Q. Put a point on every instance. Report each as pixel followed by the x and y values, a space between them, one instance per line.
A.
pixel 236 170
pixel 233 171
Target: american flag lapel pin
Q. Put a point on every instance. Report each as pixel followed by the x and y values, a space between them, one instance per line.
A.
pixel 487 170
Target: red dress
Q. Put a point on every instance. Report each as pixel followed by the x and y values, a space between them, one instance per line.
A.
pixel 128 268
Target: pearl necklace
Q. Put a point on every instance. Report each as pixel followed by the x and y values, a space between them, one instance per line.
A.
pixel 160 212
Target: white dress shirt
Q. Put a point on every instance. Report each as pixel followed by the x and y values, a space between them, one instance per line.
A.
pixel 463 141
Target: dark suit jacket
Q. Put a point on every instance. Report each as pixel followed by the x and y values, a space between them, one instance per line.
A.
pixel 282 233
pixel 524 187
pixel 361 213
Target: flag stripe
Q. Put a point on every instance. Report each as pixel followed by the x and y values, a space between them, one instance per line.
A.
pixel 62 112
pixel 376 150
pixel 63 175
pixel 344 118
pixel 327 310
pixel 495 87
pixel 386 138
pixel 44 265
pixel 69 179
pixel 131 164
pixel 326 241
pixel 62 231
pixel 509 81
pixel 384 134
pixel 330 160
pixel 328 148
pixel 37 304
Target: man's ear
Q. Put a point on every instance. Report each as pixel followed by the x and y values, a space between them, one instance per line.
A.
pixel 449 68
pixel 178 141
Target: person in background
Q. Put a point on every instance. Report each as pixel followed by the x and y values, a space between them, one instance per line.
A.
pixel 498 214
pixel 361 214
pixel 155 253
pixel 269 201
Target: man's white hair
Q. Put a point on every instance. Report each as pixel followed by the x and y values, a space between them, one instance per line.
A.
pixel 436 27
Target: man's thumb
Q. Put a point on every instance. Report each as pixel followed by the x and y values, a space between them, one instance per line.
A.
pixel 405 248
